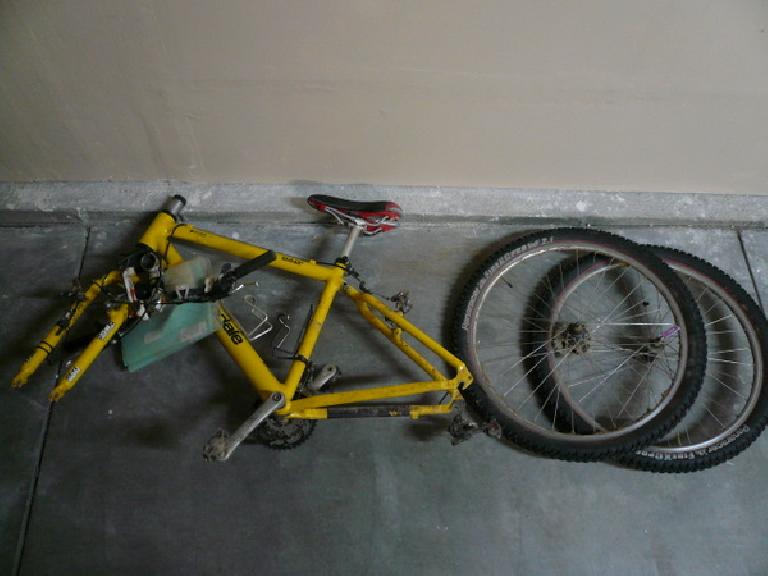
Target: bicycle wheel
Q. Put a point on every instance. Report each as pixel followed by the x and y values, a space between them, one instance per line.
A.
pixel 527 336
pixel 731 409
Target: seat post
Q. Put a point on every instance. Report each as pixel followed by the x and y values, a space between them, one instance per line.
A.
pixel 354 233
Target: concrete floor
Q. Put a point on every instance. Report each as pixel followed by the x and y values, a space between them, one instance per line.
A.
pixel 111 479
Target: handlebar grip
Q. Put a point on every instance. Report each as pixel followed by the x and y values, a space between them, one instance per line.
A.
pixel 252 265
pixel 223 286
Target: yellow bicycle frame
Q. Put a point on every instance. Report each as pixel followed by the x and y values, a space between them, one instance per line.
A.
pixel 389 322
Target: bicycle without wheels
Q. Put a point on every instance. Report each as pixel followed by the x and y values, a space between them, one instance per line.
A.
pixel 140 291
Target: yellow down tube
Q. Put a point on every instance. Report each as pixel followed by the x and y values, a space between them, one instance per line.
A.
pixel 232 337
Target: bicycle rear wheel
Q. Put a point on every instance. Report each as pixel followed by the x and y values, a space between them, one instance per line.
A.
pixel 731 409
pixel 526 340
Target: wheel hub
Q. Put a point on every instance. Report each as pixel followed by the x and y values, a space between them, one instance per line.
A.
pixel 570 338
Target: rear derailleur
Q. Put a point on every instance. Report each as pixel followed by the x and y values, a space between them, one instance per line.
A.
pixel 462 428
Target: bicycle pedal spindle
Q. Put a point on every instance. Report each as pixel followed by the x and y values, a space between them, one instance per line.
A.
pixel 323 376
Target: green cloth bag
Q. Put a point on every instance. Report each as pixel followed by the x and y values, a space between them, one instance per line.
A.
pixel 167 332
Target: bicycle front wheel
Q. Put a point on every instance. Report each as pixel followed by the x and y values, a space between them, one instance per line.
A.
pixel 531 337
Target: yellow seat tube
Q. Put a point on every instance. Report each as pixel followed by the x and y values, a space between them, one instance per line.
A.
pixel 332 287
pixel 117 316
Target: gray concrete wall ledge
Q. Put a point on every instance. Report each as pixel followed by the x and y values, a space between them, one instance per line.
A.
pixel 47 202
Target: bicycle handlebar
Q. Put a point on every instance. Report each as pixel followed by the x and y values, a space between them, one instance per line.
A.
pixel 223 286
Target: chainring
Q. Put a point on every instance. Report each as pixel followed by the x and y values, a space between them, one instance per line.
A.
pixel 283 433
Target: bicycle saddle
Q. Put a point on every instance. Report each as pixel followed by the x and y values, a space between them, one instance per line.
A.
pixel 371 217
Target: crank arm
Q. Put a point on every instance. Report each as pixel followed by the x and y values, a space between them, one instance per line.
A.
pixel 222 445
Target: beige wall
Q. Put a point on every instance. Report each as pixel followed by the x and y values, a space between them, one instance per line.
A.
pixel 640 95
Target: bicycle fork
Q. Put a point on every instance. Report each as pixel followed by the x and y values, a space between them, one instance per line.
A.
pixel 117 316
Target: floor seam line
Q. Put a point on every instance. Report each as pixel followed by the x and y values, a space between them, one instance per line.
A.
pixel 29 506
pixel 749 269
pixel 24 532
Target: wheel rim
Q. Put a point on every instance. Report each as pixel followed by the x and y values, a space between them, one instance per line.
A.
pixel 734 372
pixel 481 333
pixel 733 377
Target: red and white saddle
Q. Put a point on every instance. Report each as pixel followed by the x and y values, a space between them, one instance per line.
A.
pixel 371 217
